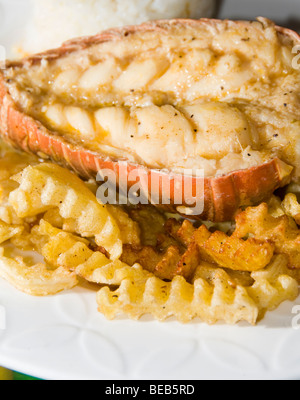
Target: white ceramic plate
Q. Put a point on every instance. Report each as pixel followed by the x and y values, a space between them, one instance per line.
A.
pixel 64 337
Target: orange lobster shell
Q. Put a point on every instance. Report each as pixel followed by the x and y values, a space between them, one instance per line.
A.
pixel 222 196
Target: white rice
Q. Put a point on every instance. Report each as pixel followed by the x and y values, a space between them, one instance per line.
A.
pixel 54 21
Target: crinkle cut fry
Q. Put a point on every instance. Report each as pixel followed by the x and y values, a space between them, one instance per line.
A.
pixel 130 230
pixel 291 207
pixel 72 256
pixel 282 232
pixel 164 265
pixel 183 232
pixel 11 163
pixel 7 213
pixel 179 299
pixel 68 251
pixel 210 300
pixel 151 222
pixel 197 245
pixel 218 248
pixel 64 250
pixel 232 252
pixel 9 231
pixel 48 186
pixel 95 270
pixel 35 280
pixel 273 285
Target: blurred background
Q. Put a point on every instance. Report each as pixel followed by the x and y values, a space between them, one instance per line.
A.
pixel 36 25
pixel 284 12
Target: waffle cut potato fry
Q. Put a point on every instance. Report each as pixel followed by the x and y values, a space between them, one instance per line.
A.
pixel 151 222
pixel 291 207
pixel 192 246
pixel 47 186
pixel 7 213
pixel 35 279
pixel 97 270
pixel 178 299
pixel 273 285
pixel 282 231
pixel 7 231
pixel 232 252
pixel 144 262
pixel 65 250
pixel 11 163
pixel 275 207
pixel 212 298
pixel 130 230
pixel 59 248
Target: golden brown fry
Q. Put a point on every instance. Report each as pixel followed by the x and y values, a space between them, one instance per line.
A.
pixel 54 218
pixel 36 280
pixel 164 265
pixel 185 272
pixel 48 186
pixel 98 270
pixel 150 221
pixel 211 303
pixel 211 273
pixel 291 207
pixel 183 232
pixel 11 163
pixel 189 262
pixel 235 278
pixel 201 245
pixel 275 207
pixel 221 249
pixel 130 230
pixel 273 285
pixel 7 213
pixel 172 227
pixel 167 267
pixel 164 241
pixel 9 231
pixel 281 231
pixel 213 297
pixel 201 236
pixel 63 249
pixel 147 256
pixel 236 254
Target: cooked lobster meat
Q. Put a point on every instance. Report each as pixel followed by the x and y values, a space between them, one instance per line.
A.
pixel 166 97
